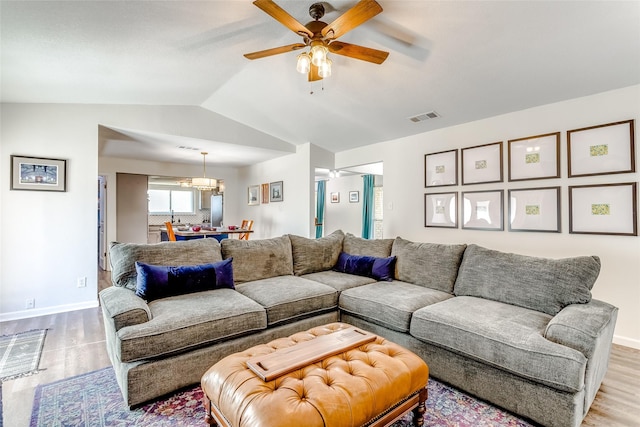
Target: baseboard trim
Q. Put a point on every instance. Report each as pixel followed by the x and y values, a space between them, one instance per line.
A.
pixel 26 314
pixel 627 342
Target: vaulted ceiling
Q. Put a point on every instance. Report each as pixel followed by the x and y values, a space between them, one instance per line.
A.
pixel 466 60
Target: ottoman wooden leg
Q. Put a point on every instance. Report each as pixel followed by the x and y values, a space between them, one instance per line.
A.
pixel 208 417
pixel 418 412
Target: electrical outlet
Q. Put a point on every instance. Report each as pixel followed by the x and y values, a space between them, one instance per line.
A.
pixel 29 303
pixel 82 282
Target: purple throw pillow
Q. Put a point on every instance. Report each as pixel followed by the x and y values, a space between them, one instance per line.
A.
pixel 362 265
pixel 158 281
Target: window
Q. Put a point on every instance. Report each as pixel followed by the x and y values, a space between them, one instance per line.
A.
pixel 377 212
pixel 164 202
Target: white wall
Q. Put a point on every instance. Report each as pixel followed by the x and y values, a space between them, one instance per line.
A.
pixel 619 280
pixel 48 240
pixel 344 215
pixel 295 213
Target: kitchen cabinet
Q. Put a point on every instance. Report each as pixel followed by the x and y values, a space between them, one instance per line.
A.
pixel 154 235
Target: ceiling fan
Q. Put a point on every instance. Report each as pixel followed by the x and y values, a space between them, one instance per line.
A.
pixel 321 37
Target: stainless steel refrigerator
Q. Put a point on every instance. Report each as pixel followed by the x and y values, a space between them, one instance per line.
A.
pixel 216 210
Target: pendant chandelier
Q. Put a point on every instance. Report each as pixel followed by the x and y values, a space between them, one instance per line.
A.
pixel 204 183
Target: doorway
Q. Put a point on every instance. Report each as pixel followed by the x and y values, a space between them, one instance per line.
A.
pixel 102 215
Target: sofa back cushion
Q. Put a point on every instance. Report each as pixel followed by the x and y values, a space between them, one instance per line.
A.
pixel 541 284
pixel 314 255
pixel 160 281
pixel 123 257
pixel 259 259
pixel 380 248
pixel 427 264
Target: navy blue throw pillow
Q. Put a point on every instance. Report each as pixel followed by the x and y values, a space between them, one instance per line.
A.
pixel 159 281
pixel 369 266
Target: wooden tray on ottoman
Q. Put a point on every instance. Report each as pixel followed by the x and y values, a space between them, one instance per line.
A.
pixel 333 375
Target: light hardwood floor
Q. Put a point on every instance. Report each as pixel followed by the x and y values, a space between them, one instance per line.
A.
pixel 75 344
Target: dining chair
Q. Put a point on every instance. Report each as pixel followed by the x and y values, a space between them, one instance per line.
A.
pixel 248 226
pixel 170 234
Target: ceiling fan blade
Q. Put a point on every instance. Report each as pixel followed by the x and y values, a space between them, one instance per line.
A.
pixel 358 52
pixel 358 14
pixel 280 15
pixel 314 75
pixel 274 51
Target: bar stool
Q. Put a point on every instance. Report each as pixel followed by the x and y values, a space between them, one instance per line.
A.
pixel 170 234
pixel 246 225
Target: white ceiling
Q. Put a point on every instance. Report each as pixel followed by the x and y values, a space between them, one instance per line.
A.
pixel 467 60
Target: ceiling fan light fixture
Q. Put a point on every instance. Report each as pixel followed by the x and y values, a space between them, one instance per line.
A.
pixel 304 63
pixel 319 54
pixel 324 70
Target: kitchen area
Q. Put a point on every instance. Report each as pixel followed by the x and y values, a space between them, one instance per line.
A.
pixel 190 210
pixel 146 202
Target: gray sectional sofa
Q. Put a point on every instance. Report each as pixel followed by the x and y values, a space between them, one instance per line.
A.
pixel 517 331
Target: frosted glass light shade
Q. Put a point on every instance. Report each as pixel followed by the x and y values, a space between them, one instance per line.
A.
pixel 324 70
pixel 304 63
pixel 319 54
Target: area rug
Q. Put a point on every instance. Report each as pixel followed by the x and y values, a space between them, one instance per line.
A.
pixel 20 353
pixel 94 399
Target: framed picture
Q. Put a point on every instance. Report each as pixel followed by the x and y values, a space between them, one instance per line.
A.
pixel 354 196
pixel 535 209
pixel 601 150
pixel 254 194
pixel 604 209
pixel 276 191
pixel 441 210
pixel 38 173
pixel 482 164
pixel 265 193
pixel 441 168
pixel 335 197
pixel 482 210
pixel 534 157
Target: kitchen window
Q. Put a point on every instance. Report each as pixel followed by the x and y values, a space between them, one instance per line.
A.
pixel 177 201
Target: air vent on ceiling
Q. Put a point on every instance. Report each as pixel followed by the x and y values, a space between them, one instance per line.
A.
pixel 424 116
pixel 185 147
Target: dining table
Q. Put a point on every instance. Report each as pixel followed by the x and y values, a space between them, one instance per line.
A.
pixel 218 233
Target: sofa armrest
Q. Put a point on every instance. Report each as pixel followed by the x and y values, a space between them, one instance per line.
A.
pixel 581 326
pixel 123 307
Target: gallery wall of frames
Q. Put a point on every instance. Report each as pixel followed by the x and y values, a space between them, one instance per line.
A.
pixel 602 149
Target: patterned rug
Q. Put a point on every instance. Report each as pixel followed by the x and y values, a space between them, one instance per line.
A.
pixel 94 399
pixel 20 353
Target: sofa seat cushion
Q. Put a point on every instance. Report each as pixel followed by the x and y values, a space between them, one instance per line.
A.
pixel 502 335
pixel 289 298
pixel 339 281
pixel 189 321
pixel 389 304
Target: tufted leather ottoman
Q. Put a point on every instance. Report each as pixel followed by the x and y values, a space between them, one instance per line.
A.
pixel 373 384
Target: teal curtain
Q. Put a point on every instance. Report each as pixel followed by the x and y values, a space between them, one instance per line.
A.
pixel 367 207
pixel 320 208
